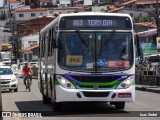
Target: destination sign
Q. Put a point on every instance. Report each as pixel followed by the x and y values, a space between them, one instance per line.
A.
pixel 91 23
pixel 95 22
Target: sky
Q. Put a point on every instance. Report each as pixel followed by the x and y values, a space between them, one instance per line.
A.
pixel 1 3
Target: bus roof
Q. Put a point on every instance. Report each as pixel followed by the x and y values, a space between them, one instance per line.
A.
pixel 84 14
pixel 93 14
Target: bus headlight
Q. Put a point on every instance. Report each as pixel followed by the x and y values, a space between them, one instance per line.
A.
pixel 125 84
pixel 65 83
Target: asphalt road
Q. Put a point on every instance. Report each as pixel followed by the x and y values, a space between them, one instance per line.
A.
pixel 25 101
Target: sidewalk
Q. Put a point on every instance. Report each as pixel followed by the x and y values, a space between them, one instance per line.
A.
pixel 155 89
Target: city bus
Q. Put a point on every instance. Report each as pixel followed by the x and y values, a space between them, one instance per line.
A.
pixel 76 65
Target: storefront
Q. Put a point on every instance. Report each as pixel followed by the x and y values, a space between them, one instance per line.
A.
pixel 31 53
pixel 147 40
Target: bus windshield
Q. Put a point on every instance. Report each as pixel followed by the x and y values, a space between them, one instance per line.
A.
pixel 95 51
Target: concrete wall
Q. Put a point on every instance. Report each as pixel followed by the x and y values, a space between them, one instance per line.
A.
pixel 26 55
pixel 98 8
pixel 27 15
pixel 134 13
pixel 14 4
pixel 27 39
pixel 51 12
pixel 2 23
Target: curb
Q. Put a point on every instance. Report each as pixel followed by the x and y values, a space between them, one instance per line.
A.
pixel 154 90
pixel 141 88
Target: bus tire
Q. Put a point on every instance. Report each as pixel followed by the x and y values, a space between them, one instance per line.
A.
pixel 119 105
pixel 57 107
pixel 46 100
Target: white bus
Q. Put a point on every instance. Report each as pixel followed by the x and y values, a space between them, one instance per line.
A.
pixel 88 57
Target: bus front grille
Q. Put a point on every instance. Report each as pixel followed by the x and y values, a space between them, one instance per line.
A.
pixel 96 79
pixel 91 86
pixel 95 94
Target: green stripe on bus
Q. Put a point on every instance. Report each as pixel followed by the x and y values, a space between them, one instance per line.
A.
pixel 73 82
pixel 133 82
pixel 114 83
pixel 56 82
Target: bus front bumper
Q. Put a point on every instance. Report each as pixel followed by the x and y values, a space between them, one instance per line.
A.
pixel 81 95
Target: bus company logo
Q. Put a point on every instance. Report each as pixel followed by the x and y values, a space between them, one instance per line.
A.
pixel 95 86
pixel 6 114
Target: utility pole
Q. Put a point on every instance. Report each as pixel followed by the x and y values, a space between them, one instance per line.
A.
pixel 14 38
pixel 157 18
pixel 11 27
pixel 4 5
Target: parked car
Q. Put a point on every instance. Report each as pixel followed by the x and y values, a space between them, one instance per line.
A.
pixel 34 68
pixel 137 62
pixel 153 59
pixel 8 79
pixel 33 64
pixel 7 61
pixel 14 66
pixel 22 64
pixel 16 69
pixel 6 29
pixel 1 64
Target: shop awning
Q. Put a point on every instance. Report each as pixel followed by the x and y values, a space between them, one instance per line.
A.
pixel 147 33
pixel 30 48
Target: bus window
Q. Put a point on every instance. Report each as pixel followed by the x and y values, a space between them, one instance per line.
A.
pixel 50 43
pixel 71 44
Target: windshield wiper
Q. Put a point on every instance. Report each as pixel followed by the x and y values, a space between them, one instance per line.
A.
pixel 100 52
pixel 81 38
pixel 109 38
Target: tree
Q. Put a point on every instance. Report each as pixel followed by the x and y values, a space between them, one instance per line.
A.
pixel 143 19
pixel 103 10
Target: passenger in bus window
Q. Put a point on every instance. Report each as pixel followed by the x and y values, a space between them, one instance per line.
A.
pixel 122 48
pixel 110 51
pixel 74 45
pixel 110 48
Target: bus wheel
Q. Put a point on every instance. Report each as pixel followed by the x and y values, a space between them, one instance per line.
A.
pixel 46 100
pixel 57 107
pixel 119 105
